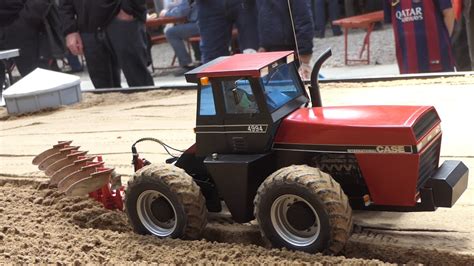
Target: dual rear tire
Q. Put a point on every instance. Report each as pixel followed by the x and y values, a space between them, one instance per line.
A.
pixel 302 208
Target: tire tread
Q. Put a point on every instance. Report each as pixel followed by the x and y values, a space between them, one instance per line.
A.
pixel 183 186
pixel 326 189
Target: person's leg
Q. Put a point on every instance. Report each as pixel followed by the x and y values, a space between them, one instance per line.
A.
pixel 197 51
pixel 3 63
pixel 127 40
pixel 245 14
pixel 177 36
pixel 460 47
pixel 314 12
pixel 3 74
pixel 215 29
pixel 320 18
pixel 102 69
pixel 334 15
pixel 27 42
pixel 468 8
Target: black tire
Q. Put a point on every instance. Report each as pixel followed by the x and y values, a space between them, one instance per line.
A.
pixel 316 197
pixel 164 201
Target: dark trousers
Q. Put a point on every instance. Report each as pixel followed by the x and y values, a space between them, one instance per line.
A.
pixel 460 46
pixel 468 10
pixel 3 74
pixel 216 19
pixel 120 46
pixel 320 18
pixel 19 35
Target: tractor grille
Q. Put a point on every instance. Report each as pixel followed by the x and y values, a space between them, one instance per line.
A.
pixel 428 163
pixel 426 123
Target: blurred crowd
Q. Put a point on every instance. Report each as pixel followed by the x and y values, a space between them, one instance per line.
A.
pixel 111 36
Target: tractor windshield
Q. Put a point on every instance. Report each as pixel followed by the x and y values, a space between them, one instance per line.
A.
pixel 281 86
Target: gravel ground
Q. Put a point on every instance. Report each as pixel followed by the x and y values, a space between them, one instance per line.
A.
pixel 382 48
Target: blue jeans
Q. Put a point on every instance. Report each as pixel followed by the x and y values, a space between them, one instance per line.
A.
pixel 216 20
pixel 177 35
pixel 319 16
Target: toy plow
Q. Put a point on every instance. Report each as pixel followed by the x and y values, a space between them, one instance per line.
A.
pixel 75 173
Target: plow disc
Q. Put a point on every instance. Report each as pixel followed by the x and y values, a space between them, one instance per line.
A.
pixel 69 169
pixel 55 149
pixel 62 153
pixel 93 182
pixel 76 174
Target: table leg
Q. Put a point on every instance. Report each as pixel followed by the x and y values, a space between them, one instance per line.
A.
pixel 370 28
pixel 346 31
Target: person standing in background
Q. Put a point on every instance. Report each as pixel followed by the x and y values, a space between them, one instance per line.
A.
pixel 468 13
pixel 21 26
pixel 278 27
pixel 111 35
pixel 422 30
pixel 216 19
pixel 320 18
pixel 459 40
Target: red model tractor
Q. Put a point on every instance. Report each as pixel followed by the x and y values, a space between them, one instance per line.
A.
pixel 268 152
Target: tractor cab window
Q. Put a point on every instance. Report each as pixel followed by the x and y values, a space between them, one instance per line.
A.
pixel 206 99
pixel 238 97
pixel 281 86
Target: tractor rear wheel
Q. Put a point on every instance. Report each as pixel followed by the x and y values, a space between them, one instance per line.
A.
pixel 164 201
pixel 301 208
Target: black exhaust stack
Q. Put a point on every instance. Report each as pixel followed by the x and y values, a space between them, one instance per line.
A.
pixel 314 92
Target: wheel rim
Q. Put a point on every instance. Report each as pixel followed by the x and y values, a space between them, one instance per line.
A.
pixel 287 230
pixel 147 212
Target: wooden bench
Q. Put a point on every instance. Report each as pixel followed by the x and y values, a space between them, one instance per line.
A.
pixel 365 21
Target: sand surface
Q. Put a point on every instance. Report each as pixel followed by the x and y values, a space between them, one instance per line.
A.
pixel 39 225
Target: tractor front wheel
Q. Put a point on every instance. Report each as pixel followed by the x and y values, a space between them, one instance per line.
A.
pixel 302 208
pixel 164 201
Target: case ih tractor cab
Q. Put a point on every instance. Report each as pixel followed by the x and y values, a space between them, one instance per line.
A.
pixel 298 170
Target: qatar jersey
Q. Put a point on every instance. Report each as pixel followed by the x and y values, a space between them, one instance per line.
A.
pixel 422 39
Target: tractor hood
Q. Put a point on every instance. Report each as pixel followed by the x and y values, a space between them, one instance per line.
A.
pixel 357 125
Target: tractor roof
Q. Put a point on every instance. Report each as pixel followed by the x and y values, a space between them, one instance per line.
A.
pixel 238 65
